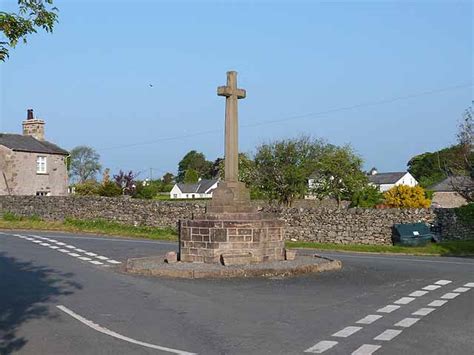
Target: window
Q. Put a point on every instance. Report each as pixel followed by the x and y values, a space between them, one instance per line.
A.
pixel 42 193
pixel 41 165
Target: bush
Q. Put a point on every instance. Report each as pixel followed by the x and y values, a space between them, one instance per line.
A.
pixel 406 197
pixel 466 213
pixel 88 188
pixel 10 216
pixel 109 189
pixel 368 197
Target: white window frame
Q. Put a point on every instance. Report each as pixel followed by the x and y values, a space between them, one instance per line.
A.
pixel 41 164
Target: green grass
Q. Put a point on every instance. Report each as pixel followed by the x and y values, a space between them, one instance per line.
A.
pixel 86 226
pixel 454 248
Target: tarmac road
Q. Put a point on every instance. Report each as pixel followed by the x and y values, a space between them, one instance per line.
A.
pixel 63 294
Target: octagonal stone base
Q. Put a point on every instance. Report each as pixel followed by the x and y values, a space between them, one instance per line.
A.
pixel 208 238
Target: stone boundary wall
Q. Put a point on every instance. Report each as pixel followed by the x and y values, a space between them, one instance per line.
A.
pixel 325 225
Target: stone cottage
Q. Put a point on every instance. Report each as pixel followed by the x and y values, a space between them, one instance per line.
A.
pixel 30 165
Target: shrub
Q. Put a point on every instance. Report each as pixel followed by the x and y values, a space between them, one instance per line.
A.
pixel 406 197
pixel 369 196
pixel 109 189
pixel 88 188
pixel 466 213
pixel 10 216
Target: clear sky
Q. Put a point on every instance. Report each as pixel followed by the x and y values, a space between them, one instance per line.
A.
pixel 303 64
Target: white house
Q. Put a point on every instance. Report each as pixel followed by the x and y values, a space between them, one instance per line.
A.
pixel 385 181
pixel 201 189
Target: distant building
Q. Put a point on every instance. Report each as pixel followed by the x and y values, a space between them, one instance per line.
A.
pixel 445 195
pixel 30 165
pixel 385 181
pixel 201 189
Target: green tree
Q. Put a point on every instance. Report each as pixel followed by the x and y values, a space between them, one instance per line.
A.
pixel 31 15
pixel 338 174
pixel 246 169
pixel 84 163
pixel 168 178
pixel 283 167
pixel 191 176
pixel 195 161
pixel 368 196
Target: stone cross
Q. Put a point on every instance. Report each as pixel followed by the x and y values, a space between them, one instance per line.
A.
pixel 232 94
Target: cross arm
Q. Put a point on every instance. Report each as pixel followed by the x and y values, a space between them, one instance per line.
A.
pixel 228 91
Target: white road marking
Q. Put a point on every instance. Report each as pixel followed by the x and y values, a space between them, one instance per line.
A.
pixel 395 258
pixel 347 331
pixel 442 282
pixel 431 287
pixel 59 243
pixel 63 250
pixel 37 241
pixel 95 262
pixel 80 250
pixel 91 254
pixel 53 247
pixel 469 284
pixel 388 309
pixel 74 254
pixel 404 300
pixel 111 333
pixel 85 258
pixel 70 246
pixel 437 303
pixel 461 289
pixel 388 335
pixel 321 347
pixel 29 238
pixel 450 295
pixel 407 322
pixel 102 257
pixel 418 293
pixel 45 244
pixel 423 311
pixel 369 319
pixel 114 261
pixel 366 349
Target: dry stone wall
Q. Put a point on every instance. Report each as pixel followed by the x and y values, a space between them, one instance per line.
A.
pixel 325 225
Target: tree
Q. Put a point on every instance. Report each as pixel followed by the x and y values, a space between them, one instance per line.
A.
pixel 283 167
pixel 338 174
pixel 246 169
pixel 84 163
pixel 369 196
pixel 126 181
pixel 402 196
pixel 32 15
pixel 195 161
pixel 191 176
pixel 168 178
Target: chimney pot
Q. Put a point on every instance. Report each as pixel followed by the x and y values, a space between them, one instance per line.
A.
pixel 30 114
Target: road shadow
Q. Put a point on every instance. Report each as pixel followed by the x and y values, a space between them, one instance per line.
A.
pixel 25 292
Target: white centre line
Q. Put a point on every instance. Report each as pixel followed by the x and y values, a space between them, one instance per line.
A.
pixel 84 258
pixel 70 246
pixel 114 261
pixel 119 336
pixel 74 254
pixel 469 284
pixel 45 244
pixel 388 335
pixel 37 241
pixel 437 303
pixel 423 311
pixel 53 247
pixel 404 300
pixel 442 282
pixel 418 293
pixel 407 322
pixel 102 257
pixel 321 347
pixel 388 309
pixel 431 287
pixel 59 243
pixel 366 349
pixel 450 295
pixel 95 262
pixel 347 331
pixel 369 319
pixel 80 250
pixel 91 254
pixel 462 289
pixel 63 250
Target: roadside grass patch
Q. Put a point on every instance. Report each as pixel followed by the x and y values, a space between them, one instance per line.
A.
pixel 447 248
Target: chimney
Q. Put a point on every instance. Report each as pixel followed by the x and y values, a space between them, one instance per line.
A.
pixel 33 127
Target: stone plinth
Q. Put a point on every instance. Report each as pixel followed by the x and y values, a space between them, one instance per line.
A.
pixel 208 237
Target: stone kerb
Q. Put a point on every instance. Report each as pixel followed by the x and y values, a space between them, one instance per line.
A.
pixel 209 238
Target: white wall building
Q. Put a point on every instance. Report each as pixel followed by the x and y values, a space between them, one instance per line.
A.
pixel 201 189
pixel 385 181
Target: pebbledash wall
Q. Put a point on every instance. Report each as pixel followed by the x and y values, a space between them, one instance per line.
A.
pixel 326 225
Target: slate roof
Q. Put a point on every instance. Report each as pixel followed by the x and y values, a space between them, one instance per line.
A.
pixel 20 143
pixel 386 178
pixel 198 188
pixel 447 184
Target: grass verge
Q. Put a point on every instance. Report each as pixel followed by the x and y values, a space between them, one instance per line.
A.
pixel 447 248
pixel 88 226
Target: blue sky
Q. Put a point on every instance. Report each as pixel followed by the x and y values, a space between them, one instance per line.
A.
pixel 90 79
